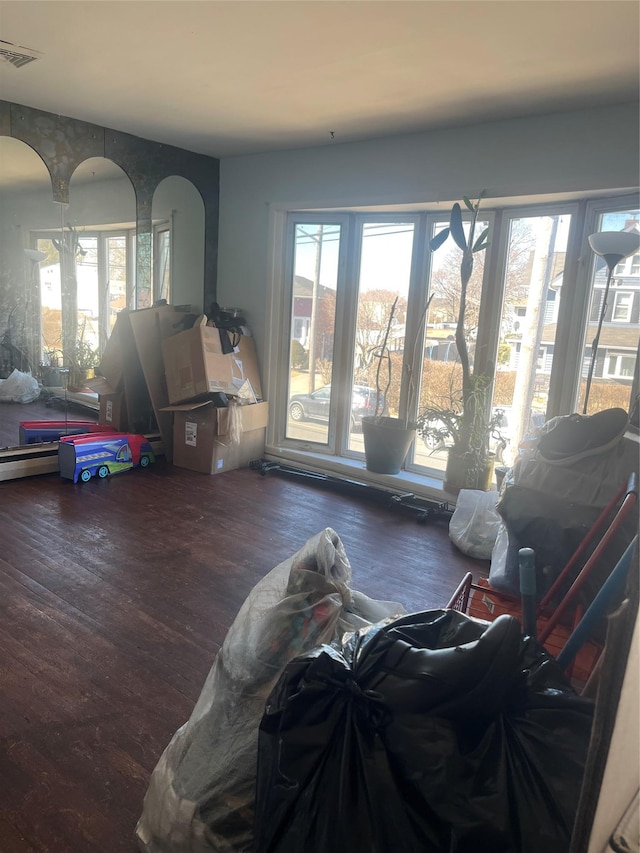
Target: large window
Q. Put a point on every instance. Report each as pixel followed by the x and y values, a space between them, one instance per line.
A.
pixel 311 398
pixel 616 356
pixel 92 270
pixel 346 271
pixel 384 275
pixel 536 250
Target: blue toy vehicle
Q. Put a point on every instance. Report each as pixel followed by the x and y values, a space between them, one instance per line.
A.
pixel 81 457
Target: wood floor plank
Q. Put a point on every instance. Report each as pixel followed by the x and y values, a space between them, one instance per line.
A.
pixel 115 596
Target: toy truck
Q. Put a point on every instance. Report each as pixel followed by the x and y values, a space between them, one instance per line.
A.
pixel 43 432
pixel 81 457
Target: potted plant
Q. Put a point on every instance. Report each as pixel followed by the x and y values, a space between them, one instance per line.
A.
pixel 81 361
pixel 443 427
pixel 50 368
pixel 387 439
pixel 465 418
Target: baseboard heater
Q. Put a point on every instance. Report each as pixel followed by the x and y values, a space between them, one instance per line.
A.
pixel 422 508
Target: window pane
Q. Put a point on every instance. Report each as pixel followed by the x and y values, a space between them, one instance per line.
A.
pixel 441 380
pixel 615 360
pixel 532 293
pixel 622 303
pixel 162 263
pixel 385 272
pixel 50 304
pixel 88 292
pixel 313 307
pixel 116 276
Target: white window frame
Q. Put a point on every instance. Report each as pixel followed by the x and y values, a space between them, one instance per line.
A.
pixel 616 359
pixel 160 228
pixel 574 307
pixel 628 295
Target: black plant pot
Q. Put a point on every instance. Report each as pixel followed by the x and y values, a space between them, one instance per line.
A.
pixel 386 443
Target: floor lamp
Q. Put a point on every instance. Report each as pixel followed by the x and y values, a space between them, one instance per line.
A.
pixel 613 247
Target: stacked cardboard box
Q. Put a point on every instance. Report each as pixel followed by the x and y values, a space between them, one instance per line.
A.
pixel 119 379
pixel 203 364
pixel 163 371
pixel 202 436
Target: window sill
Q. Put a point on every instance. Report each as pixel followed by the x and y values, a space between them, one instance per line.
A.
pixel 405 482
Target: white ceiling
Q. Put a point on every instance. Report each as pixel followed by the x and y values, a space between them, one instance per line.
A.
pixel 247 76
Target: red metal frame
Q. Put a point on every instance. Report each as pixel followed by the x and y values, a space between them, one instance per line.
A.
pixel 560 618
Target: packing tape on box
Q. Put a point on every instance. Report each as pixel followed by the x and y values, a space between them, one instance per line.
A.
pixel 235 424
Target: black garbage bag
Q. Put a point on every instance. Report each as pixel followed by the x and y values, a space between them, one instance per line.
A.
pixel 435 732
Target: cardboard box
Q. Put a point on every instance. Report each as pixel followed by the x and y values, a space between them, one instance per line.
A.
pixel 150 327
pixel 112 362
pixel 195 364
pixel 201 440
pixel 121 368
pixel 113 404
pixel 113 411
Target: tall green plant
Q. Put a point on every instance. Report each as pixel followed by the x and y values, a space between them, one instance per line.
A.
pixel 474 426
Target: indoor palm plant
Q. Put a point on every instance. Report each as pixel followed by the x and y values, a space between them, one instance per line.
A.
pixel 465 417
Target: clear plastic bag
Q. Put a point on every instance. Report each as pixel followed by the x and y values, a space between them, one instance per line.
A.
pixel 504 573
pixel 202 791
pixel 19 387
pixel 475 523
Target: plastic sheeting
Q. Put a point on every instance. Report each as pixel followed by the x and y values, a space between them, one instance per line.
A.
pixel 201 793
pixel 556 492
pixel 437 733
pixel 19 387
pixel 475 523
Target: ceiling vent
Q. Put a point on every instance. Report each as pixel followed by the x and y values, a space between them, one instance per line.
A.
pixel 16 55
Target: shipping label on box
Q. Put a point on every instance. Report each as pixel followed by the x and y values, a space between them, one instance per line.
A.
pixel 191 434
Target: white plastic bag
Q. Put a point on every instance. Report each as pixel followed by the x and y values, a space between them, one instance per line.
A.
pixel 475 523
pixel 504 573
pixel 201 793
pixel 19 387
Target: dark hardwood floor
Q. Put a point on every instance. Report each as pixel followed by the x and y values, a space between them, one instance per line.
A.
pixel 115 597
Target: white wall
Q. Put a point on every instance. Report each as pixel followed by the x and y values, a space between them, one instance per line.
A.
pixel 622 773
pixel 572 152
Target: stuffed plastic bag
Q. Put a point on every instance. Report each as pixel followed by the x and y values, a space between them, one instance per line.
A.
pixel 19 387
pixel 436 733
pixel 201 793
pixel 504 573
pixel 475 522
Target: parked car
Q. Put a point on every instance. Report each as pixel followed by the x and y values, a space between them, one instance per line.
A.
pixel 316 404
